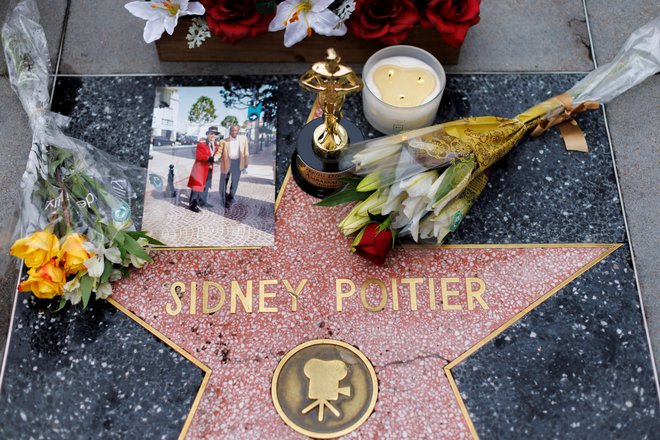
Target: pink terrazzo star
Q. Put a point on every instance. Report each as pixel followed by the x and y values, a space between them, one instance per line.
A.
pixel 412 348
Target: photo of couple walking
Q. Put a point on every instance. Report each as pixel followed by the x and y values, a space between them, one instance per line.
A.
pixel 231 155
pixel 211 180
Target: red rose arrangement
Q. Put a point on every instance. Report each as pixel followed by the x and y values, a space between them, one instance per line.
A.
pixel 451 18
pixel 374 241
pixel 388 21
pixel 233 20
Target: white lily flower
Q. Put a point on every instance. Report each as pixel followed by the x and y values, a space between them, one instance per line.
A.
pixel 414 208
pixel 71 291
pixel 115 275
pixel 354 221
pixel 419 184
pixel 103 291
pixel 162 16
pixel 136 261
pixel 393 202
pixel 299 17
pixel 375 153
pixel 439 225
pixel 95 265
pixel 373 203
pixel 113 255
pixel 415 205
pixel 440 204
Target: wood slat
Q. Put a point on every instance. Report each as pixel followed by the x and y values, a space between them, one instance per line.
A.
pixel 269 47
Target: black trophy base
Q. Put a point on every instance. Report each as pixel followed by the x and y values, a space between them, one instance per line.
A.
pixel 316 175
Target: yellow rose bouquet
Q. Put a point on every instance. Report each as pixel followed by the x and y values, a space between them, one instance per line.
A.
pixel 77 234
pixel 421 183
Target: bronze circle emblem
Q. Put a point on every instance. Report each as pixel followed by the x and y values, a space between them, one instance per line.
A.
pixel 324 388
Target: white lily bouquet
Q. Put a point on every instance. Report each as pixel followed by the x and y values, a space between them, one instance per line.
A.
pixel 75 221
pixel 421 183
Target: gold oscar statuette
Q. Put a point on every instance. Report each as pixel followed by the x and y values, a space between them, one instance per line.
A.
pixel 315 164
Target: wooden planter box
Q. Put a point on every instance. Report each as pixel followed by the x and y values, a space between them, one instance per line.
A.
pixel 269 47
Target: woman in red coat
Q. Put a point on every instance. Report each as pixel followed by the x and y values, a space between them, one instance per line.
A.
pixel 202 170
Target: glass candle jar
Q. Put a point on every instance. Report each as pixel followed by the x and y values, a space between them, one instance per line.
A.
pixel 403 86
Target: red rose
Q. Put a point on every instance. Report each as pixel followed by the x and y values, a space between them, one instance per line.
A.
pixel 233 20
pixel 374 242
pixel 385 20
pixel 451 18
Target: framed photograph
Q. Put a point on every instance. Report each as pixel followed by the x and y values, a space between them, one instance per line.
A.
pixel 211 174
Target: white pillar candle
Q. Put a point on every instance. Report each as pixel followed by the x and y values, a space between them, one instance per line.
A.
pixel 403 88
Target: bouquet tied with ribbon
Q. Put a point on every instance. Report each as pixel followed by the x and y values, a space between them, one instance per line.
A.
pixel 421 183
pixel 74 233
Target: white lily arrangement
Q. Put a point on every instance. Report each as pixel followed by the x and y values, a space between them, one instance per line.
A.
pixel 297 18
pixel 162 16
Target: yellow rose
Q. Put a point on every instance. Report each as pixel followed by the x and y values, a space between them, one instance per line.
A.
pixel 73 254
pixel 46 281
pixel 36 249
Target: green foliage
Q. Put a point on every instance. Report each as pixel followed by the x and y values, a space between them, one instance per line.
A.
pixel 265 6
pixel 132 246
pixel 240 93
pixel 142 234
pixel 107 271
pixel 347 194
pixel 455 175
pixel 86 284
pixel 229 121
pixel 202 111
pixel 344 196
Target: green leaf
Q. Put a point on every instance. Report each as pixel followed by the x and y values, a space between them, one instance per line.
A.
pixel 119 237
pixel 63 302
pixel 351 182
pixel 86 283
pixel 455 175
pixel 111 231
pixel 142 234
pixel 119 241
pixel 134 248
pixel 378 218
pixel 107 270
pixel 344 196
pixel 265 7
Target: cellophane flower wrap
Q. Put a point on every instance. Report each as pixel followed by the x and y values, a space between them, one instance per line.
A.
pixel 425 180
pixel 74 232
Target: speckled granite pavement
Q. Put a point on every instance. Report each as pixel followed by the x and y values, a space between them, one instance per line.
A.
pixel 575 366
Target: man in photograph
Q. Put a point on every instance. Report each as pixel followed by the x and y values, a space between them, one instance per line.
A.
pixel 237 146
pixel 202 171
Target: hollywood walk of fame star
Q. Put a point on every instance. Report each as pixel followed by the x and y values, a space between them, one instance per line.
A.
pixel 413 342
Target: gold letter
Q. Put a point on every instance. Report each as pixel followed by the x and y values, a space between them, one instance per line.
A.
pixel 177 307
pixel 340 294
pixel 432 293
pixel 205 297
pixel 413 290
pixel 294 293
pixel 383 295
pixel 246 299
pixel 193 298
pixel 471 294
pixel 447 293
pixel 395 295
pixel 263 295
